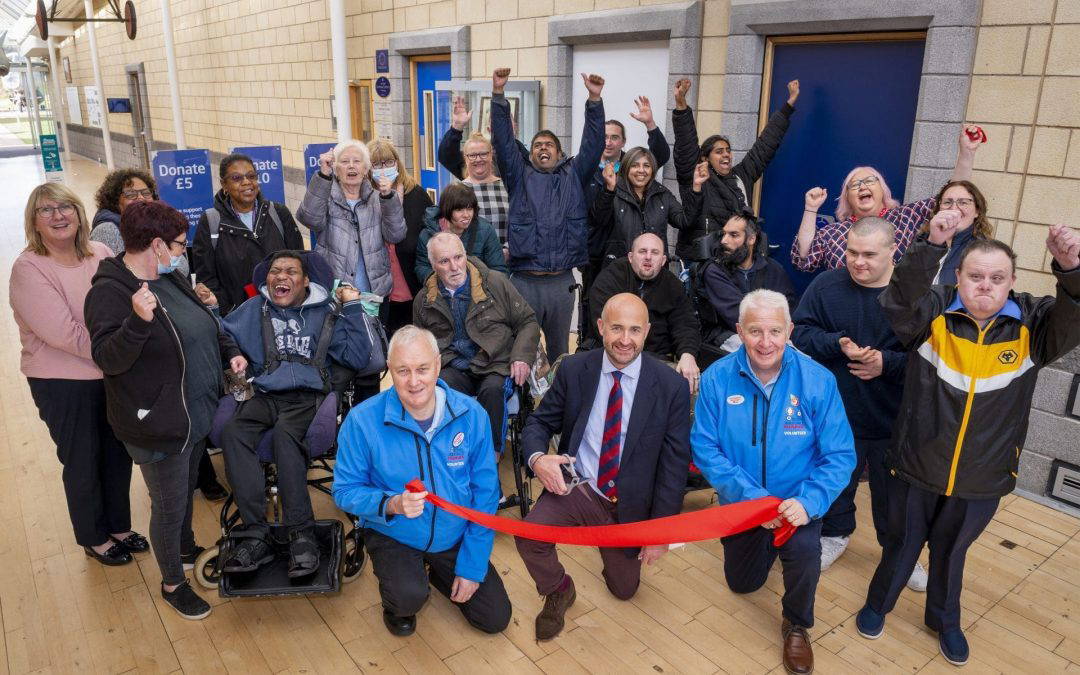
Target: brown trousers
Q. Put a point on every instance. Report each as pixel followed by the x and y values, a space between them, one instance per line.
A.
pixel 583 506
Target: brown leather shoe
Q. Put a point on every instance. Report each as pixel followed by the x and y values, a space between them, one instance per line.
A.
pixel 551 619
pixel 798 655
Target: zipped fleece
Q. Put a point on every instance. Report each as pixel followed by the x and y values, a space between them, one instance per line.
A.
pixel 143 362
pixel 967 391
pixel 296 332
pixel 796 443
pixel 380 448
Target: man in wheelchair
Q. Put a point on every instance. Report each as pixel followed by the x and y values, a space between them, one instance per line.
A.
pixel 485 330
pixel 292 333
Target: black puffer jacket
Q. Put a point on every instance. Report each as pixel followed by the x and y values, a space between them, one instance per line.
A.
pixel 618 217
pixel 721 194
pixel 143 362
pixel 226 268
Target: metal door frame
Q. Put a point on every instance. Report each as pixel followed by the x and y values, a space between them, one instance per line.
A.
pixel 141 131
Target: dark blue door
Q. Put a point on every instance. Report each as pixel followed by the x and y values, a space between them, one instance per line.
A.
pixel 856 107
pixel 426 137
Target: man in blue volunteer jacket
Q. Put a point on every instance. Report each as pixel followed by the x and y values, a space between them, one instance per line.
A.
pixel 291 336
pixel 548 228
pixel 421 428
pixel 770 421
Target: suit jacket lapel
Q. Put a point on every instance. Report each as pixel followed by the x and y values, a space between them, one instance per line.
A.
pixel 587 381
pixel 644 402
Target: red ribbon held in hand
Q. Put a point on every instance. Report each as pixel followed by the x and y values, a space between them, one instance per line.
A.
pixel 710 523
pixel 976 134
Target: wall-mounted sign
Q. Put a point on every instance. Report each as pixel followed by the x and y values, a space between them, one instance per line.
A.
pixel 382 61
pixel 93 106
pixel 74 109
pixel 267 161
pixel 382 87
pixel 185 183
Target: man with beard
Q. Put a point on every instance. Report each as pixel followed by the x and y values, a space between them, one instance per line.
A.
pixel 675 334
pixel 739 265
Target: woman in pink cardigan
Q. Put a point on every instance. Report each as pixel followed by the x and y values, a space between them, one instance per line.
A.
pixel 49 282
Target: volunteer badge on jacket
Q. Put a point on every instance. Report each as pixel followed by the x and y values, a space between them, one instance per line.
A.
pixel 793 425
pixel 456 458
pixel 735 399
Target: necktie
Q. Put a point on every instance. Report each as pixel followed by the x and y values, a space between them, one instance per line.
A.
pixel 610 445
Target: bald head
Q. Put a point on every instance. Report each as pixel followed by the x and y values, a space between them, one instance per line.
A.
pixel 647 256
pixel 623 326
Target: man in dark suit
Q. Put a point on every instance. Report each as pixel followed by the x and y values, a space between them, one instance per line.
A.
pixel 624 425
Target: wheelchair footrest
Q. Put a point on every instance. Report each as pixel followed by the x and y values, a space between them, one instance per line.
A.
pixel 273 577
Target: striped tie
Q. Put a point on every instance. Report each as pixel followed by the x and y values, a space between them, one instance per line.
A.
pixel 609 447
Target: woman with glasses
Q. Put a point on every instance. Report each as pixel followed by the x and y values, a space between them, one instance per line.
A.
pixel 120 189
pixel 474 162
pixel 386 165
pixel 821 242
pixel 248 228
pixel 962 204
pixel 162 352
pixel 49 282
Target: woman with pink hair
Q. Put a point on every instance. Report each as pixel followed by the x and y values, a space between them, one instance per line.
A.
pixel 820 243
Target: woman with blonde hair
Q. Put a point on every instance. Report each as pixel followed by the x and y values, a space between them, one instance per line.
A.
pixel 49 283
pixel 821 242
pixel 386 165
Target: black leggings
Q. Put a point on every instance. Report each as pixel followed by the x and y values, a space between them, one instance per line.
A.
pixel 171 482
pixel 97 468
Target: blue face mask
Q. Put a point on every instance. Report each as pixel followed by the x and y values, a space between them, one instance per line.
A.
pixel 174 264
pixel 390 174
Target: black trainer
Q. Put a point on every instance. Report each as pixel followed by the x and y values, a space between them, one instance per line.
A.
pixel 249 555
pixel 186 602
pixel 401 626
pixel 189 558
pixel 303 553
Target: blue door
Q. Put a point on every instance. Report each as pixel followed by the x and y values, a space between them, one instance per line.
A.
pixel 426 135
pixel 856 107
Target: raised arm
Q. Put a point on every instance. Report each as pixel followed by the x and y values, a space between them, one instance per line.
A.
pixel 449 153
pixel 509 157
pixel 313 208
pixel 687 150
pixel 970 139
pixel 910 300
pixel 768 142
pixel 592 136
pixel 658 145
pixel 1056 330
pixel 808 226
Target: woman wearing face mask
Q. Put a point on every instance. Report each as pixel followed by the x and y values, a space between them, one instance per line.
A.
pixel 162 353
pixel 249 228
pixel 120 189
pixel 353 218
pixel 728 188
pixel 49 282
pixel 457 212
pixel 821 243
pixel 632 203
pixel 386 165
pixel 961 205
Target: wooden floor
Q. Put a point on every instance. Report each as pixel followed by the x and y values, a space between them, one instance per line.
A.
pixel 62 613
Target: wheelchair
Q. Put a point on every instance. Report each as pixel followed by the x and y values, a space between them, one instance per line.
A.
pixel 518 407
pixel 343 556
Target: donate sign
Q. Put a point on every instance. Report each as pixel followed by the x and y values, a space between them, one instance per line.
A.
pixel 267 161
pixel 312 151
pixel 185 183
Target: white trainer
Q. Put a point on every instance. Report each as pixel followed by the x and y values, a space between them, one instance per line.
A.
pixel 831 549
pixel 917 580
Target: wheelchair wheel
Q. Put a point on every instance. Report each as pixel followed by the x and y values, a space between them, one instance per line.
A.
pixel 206 571
pixel 355 557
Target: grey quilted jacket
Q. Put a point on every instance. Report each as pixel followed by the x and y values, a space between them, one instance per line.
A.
pixel 342 232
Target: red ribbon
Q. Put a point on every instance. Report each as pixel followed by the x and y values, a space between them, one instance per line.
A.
pixel 976 134
pixel 710 523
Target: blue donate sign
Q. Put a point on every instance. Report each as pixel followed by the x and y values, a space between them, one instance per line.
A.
pixel 311 158
pixel 267 160
pixel 185 183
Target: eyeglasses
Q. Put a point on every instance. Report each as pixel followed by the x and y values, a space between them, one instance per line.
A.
pixel 182 243
pixel 241 177
pixel 135 194
pixel 962 202
pixel 48 211
pixel 388 164
pixel 477 155
pixel 868 181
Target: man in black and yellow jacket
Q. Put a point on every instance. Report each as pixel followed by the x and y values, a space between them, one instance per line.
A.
pixel 975 350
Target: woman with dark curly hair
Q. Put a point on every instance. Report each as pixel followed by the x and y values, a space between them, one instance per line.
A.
pixel 960 202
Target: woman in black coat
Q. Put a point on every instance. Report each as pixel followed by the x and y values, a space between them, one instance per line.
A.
pixel 633 203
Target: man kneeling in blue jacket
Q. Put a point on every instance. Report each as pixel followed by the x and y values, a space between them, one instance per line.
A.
pixel 770 421
pixel 287 333
pixel 421 428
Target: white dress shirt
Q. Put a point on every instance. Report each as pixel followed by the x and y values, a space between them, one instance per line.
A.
pixel 588 452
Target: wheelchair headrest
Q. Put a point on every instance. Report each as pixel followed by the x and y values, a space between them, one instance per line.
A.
pixel 318 270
